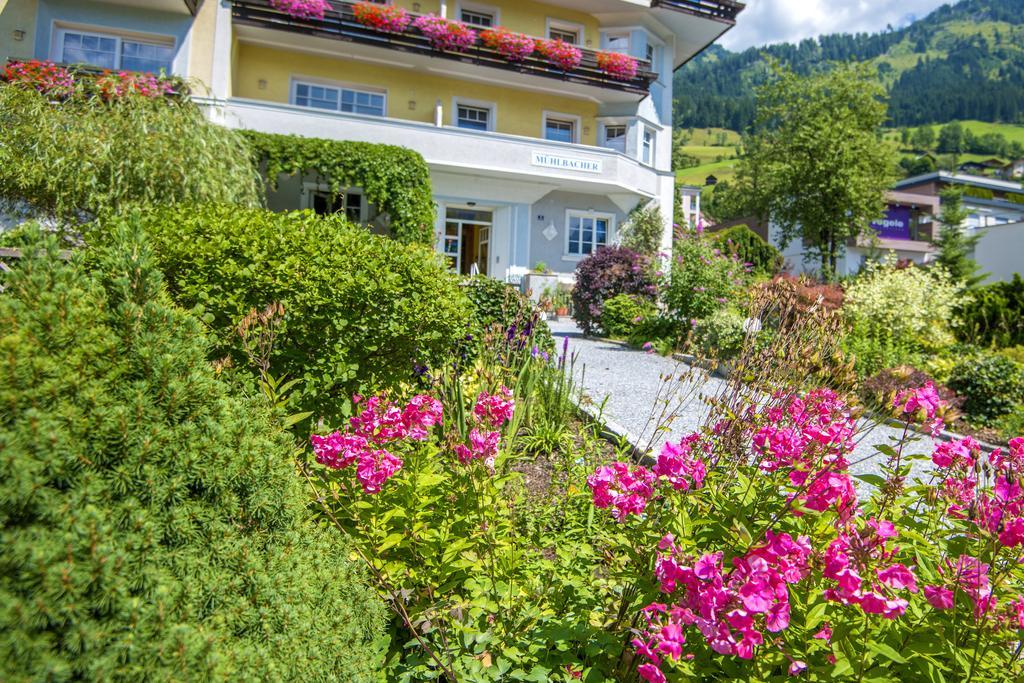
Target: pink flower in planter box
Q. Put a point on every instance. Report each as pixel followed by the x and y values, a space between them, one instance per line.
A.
pixel 302 9
pixel 617 65
pixel 386 18
pixel 42 76
pixel 561 54
pixel 445 34
pixel 515 47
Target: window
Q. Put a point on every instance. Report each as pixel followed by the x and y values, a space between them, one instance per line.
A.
pixel 109 51
pixel 560 128
pixel 325 203
pixel 647 150
pixel 565 31
pixel 478 18
pixel 652 57
pixel 473 118
pixel 340 99
pixel 587 231
pixel 618 42
pixel 615 138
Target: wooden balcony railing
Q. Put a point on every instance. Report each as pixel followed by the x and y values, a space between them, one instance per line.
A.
pixel 340 24
pixel 720 10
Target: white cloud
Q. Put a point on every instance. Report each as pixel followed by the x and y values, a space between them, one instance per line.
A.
pixel 774 21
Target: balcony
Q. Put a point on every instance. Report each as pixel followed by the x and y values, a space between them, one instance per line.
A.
pixel 340 24
pixel 724 11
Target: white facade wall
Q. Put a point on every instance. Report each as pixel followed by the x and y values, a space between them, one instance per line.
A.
pixel 1000 251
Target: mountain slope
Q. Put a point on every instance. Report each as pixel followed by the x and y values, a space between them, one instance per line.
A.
pixel 964 61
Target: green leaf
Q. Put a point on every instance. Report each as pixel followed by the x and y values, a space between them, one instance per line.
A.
pixel 886 651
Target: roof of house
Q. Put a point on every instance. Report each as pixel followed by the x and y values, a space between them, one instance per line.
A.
pixel 960 179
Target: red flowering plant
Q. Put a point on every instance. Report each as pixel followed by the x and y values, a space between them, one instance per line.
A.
pixel 563 55
pixel 619 66
pixel 515 47
pixel 445 34
pixel 42 76
pixel 386 18
pixel 302 9
pixel 114 85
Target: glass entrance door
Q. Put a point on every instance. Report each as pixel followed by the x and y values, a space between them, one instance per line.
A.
pixel 467 240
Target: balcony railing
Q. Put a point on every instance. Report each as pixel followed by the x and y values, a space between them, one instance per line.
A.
pixel 340 24
pixel 720 10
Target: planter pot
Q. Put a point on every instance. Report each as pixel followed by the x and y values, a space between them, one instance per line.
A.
pixel 562 312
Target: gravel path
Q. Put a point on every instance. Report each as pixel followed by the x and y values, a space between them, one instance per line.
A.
pixel 630 389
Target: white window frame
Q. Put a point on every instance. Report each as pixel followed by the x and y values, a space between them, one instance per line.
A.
pixel 603 142
pixel 596 215
pixel 479 8
pixel 492 120
pixel 566 27
pixel 59 30
pixel 644 130
pixel 577 125
pixel 309 189
pixel 323 83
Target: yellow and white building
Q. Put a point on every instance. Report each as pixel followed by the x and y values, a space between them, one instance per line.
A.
pixel 528 164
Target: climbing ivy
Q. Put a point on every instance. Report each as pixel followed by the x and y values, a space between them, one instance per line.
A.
pixel 393 178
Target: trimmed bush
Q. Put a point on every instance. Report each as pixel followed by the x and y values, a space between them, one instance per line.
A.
pixel 750 248
pixel 721 334
pixel 495 303
pixel 991 385
pixel 624 313
pixel 153 525
pixel 360 311
pixel 87 155
pixel 703 280
pixel 604 274
pixel 994 316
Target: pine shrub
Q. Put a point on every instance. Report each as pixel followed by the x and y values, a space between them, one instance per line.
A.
pixel 153 525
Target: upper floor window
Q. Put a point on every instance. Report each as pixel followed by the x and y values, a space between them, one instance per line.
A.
pixel 618 42
pixel 587 232
pixel 474 118
pixel 112 51
pixel 565 31
pixel 615 138
pixel 561 128
pixel 647 149
pixel 340 99
pixel 482 16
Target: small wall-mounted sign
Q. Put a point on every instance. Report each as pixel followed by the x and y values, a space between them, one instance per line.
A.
pixel 567 163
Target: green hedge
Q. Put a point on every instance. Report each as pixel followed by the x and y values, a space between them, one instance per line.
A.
pixel 360 310
pixel 152 523
pixel 87 155
pixel 394 179
pixel 751 248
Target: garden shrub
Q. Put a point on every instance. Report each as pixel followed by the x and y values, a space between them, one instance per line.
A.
pixel 721 334
pixel 394 179
pixel 750 248
pixel 360 311
pixel 992 385
pixel 604 274
pixel 153 525
pixel 703 280
pixel 994 316
pixel 659 331
pixel 644 230
pixel 495 303
pixel 87 156
pixel 811 293
pixel 623 313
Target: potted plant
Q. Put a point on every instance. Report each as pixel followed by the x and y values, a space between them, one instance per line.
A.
pixel 562 300
pixel 617 65
pixel 515 47
pixel 385 18
pixel 561 54
pixel 445 34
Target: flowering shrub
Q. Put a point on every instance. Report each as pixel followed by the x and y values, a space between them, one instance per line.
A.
pixel 513 46
pixel 42 76
pixel 617 65
pixel 703 279
pixel 886 390
pixel 302 9
pixel 624 313
pixel 111 85
pixel 563 55
pixel 386 18
pixel 445 34
pixel 604 274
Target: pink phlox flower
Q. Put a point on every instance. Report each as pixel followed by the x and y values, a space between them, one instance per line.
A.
pixel 496 409
pixel 825 633
pixel 939 597
pixel 623 488
pixel 420 415
pixel 680 465
pixel 898 576
pixel 337 450
pixel 797 667
pixel 958 455
pixel 924 403
pixel 375 468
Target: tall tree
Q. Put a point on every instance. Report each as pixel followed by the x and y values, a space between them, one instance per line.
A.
pixel 815 164
pixel 924 138
pixel 955 247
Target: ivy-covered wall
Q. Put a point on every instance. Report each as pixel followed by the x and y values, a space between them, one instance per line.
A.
pixel 395 179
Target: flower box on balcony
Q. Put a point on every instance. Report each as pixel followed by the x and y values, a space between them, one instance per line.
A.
pixel 514 47
pixel 445 34
pixel 617 65
pixel 386 18
pixel 563 55
pixel 302 9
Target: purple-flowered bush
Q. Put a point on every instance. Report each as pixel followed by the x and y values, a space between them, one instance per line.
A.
pixel 608 272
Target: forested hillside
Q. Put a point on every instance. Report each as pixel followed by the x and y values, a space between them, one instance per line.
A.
pixel 963 61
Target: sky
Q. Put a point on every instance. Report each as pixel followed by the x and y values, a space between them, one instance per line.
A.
pixel 774 21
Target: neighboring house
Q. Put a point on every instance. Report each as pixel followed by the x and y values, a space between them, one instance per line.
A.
pixel 995 166
pixel 528 163
pixel 1014 170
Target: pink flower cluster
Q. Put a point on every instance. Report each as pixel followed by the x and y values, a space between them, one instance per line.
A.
pixel 924 404
pixel 858 556
pixel 515 47
pixel 115 85
pixel 809 438
pixel 617 65
pixel 42 76
pixel 563 55
pixel 680 465
pixel 379 426
pixel 490 413
pixel 730 609
pixel 623 488
pixel 445 34
pixel 302 9
pixel 386 18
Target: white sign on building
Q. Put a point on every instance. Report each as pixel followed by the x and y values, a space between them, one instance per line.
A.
pixel 566 163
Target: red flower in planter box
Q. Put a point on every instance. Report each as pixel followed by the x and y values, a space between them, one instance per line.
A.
pixel 112 85
pixel 386 18
pixel 445 34
pixel 617 65
pixel 515 47
pixel 560 53
pixel 302 9
pixel 45 77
